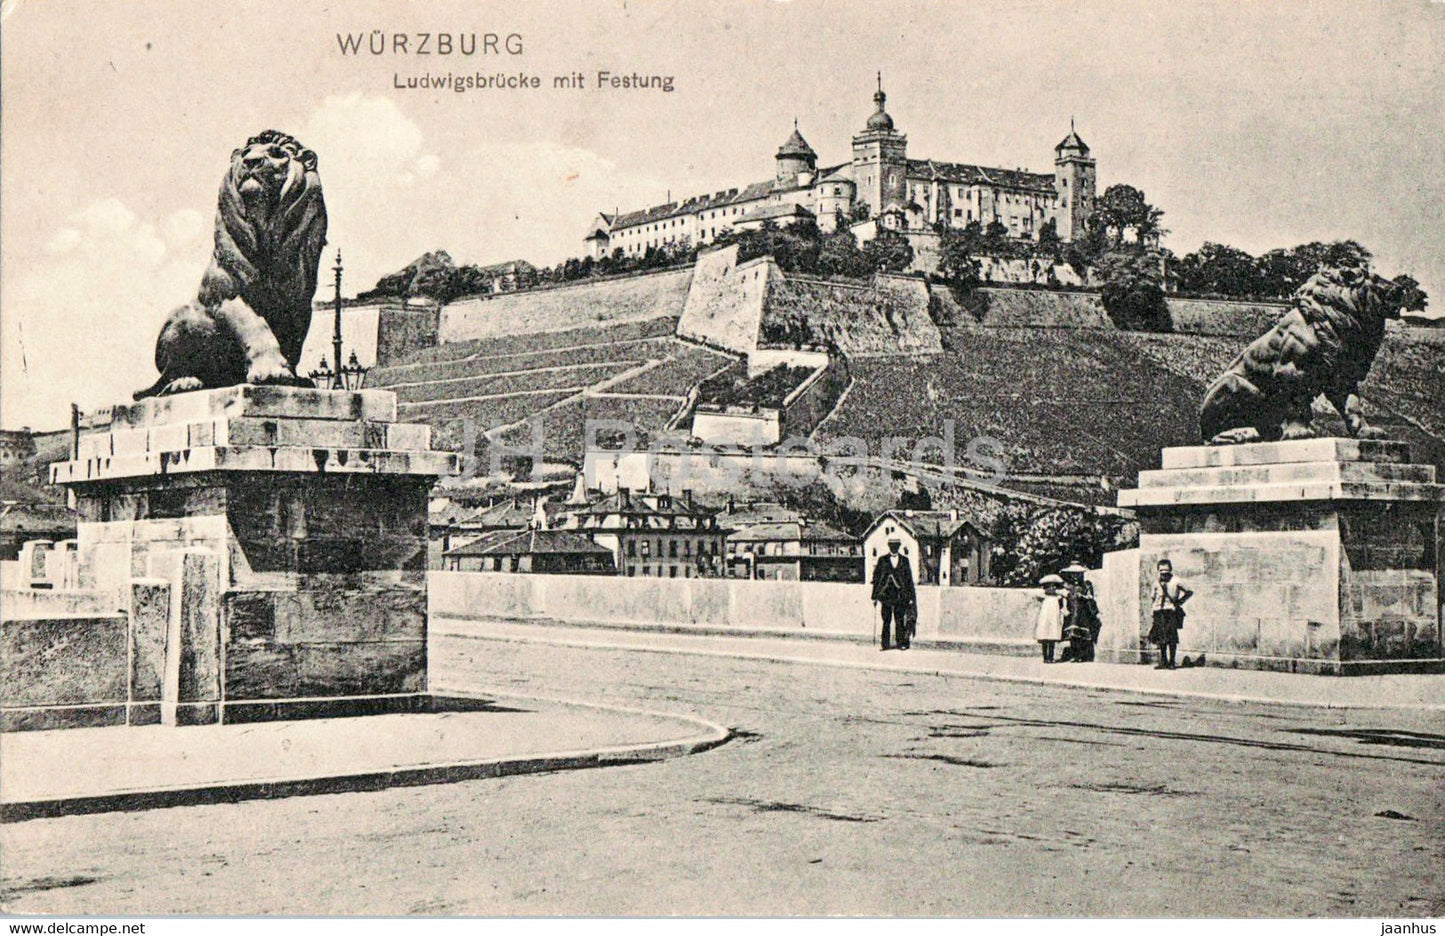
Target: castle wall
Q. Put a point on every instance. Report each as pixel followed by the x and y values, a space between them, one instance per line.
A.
pixel 888 315
pixel 401 332
pixel 724 304
pixel 587 304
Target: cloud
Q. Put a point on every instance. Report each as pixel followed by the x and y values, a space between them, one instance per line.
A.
pixel 367 143
pixel 81 322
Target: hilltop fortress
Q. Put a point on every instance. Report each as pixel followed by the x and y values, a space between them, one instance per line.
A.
pixel 879 188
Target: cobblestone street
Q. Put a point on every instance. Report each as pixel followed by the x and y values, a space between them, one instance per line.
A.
pixel 844 791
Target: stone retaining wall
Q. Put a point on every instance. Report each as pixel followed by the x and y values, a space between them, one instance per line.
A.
pixel 1002 617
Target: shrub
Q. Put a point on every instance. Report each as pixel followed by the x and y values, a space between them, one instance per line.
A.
pixel 1133 293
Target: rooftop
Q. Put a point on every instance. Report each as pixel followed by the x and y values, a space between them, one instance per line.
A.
pixel 965 174
pixel 645 504
pixel 529 542
pixel 787 531
pixel 1073 141
pixel 795 145
pixel 928 524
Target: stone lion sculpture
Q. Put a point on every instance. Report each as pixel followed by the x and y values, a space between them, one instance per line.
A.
pixel 1324 345
pixel 253 309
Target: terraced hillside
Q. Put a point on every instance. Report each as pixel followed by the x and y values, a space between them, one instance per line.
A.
pixel 887 315
pixel 635 372
pixel 1102 402
pixel 1041 308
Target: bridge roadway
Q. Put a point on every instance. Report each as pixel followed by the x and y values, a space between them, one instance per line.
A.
pixel 846 790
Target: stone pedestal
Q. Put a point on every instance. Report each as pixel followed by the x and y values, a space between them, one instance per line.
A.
pixel 1311 555
pixel 291 528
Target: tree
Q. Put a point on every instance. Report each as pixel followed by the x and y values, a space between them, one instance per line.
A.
pixel 995 238
pixel 958 256
pixel 1412 297
pixel 889 251
pixel 1133 291
pixel 1049 245
pixel 839 255
pixel 1278 273
pixel 1220 269
pixel 1030 546
pixel 1124 208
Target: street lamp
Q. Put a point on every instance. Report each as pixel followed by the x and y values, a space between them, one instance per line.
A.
pixel 338 376
pixel 353 374
pixel 324 377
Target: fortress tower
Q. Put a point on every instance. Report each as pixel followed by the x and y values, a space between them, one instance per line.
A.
pixel 880 160
pixel 797 163
pixel 1074 171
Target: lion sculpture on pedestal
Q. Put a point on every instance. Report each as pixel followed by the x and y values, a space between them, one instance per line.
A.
pixel 251 314
pixel 1324 345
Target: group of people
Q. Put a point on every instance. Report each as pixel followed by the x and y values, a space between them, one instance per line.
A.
pixel 1068 609
pixel 1068 612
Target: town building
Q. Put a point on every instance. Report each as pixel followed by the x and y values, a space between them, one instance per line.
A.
pixel 652 534
pixel 794 550
pixel 552 551
pixel 879 187
pixel 22 522
pixel 17 447
pixel 941 548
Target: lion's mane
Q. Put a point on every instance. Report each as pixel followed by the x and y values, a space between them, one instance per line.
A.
pixel 253 308
pixel 271 261
pixel 1324 345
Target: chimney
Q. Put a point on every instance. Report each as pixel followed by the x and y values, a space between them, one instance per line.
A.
pixel 687 497
pixel 624 498
pixel 953 513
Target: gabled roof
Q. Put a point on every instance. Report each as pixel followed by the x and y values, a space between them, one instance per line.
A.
pixel 509 514
pixel 926 524
pixel 965 174
pixel 769 212
pixel 645 505
pixel 791 530
pixel 699 203
pixel 529 543
pixel 761 512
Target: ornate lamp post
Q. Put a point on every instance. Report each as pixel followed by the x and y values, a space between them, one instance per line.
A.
pixel 324 377
pixel 338 376
pixel 336 332
pixel 353 374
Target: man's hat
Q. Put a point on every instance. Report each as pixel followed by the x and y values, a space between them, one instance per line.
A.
pixel 894 541
pixel 1051 580
pixel 1074 567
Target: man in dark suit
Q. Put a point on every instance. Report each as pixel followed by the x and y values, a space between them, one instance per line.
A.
pixel 893 593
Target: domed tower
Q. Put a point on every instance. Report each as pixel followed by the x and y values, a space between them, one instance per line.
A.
pixel 1074 173
pixel 795 157
pixel 880 159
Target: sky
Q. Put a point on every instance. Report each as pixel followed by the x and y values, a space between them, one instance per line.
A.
pixel 1259 125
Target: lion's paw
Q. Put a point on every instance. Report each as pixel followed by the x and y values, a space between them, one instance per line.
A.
pixel 182 385
pixel 267 373
pixel 1236 436
pixel 1296 430
pixel 1371 432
